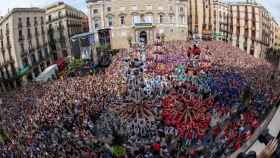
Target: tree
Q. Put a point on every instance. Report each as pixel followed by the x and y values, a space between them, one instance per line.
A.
pixel 162 37
pixel 129 40
pixel 273 56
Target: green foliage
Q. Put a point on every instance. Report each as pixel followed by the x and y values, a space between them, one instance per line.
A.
pixel 75 64
pixel 273 56
pixel 129 40
pixel 162 37
pixel 118 151
pixel 3 136
pixel 115 51
pixel 103 47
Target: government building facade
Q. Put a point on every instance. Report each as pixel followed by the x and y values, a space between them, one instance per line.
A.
pixel 145 19
pixel 246 25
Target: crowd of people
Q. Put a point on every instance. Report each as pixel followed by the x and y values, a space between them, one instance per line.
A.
pixel 203 101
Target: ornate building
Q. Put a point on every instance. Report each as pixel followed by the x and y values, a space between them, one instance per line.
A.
pixel 63 21
pixel 23 46
pixel 145 19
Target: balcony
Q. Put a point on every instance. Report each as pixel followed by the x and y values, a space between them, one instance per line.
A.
pixel 143 25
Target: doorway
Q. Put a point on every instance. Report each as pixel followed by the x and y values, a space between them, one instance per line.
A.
pixel 143 37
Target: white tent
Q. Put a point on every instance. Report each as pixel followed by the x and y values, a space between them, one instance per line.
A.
pixel 50 73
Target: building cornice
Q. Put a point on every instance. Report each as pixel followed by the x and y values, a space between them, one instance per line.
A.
pixel 19 10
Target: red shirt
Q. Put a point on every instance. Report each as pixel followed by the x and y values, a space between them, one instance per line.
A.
pixel 156 147
pixel 196 51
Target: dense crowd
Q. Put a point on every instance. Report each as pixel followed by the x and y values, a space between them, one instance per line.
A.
pixel 199 101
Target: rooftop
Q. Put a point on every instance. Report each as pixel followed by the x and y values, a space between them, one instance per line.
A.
pixel 15 10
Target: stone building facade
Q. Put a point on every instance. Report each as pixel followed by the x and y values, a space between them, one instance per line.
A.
pixel 220 16
pixel 277 40
pixel 200 17
pixel 246 25
pixel 24 49
pixel 63 21
pixel 145 19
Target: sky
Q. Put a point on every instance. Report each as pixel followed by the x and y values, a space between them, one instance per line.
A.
pixel 272 5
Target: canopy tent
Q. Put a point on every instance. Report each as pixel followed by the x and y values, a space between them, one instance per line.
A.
pixel 23 71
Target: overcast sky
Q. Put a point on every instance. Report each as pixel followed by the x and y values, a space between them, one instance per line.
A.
pixel 272 5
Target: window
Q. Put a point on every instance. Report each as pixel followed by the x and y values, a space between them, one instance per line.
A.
pixel 59 14
pixel 161 19
pixel 171 19
pixel 110 20
pixel 109 9
pixel 35 21
pixel 95 11
pixel 96 23
pixel 19 23
pixel 136 19
pixel 28 33
pixel 182 19
pixel 20 34
pixel 27 21
pixel 42 20
pixel 181 9
pixel 148 19
pixel 50 17
pixel 122 20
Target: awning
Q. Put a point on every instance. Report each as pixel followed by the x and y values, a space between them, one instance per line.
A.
pixel 23 71
pixel 217 34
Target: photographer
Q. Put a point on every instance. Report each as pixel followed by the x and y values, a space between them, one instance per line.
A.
pixel 269 149
pixel 267 152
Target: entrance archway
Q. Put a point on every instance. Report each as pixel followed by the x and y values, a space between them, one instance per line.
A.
pixel 143 37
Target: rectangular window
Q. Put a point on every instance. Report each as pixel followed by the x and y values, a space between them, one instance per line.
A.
pixel 148 19
pixel 95 11
pixel 122 20
pixel 136 19
pixel 109 9
pixel 35 21
pixel 171 19
pixel 110 21
pixel 161 19
pixel 182 19
pixel 27 21
pixel 96 23
pixel 42 20
pixel 20 34
pixel 181 9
